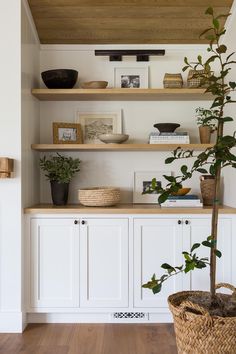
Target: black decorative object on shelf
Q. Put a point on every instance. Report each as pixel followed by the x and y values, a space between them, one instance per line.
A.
pixel 141 54
pixel 59 192
pixel 60 78
pixel 166 127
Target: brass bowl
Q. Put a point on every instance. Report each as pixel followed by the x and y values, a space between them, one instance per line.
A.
pixel 182 191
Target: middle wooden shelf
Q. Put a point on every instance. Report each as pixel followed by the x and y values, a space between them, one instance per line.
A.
pixel 118 147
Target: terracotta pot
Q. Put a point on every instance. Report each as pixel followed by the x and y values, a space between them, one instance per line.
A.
pixel 205 134
pixel 207 185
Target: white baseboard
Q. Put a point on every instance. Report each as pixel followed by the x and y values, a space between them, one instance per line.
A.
pixel 94 318
pixel 12 322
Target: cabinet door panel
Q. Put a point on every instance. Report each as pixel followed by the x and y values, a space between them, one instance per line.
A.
pixel 199 230
pixel 104 263
pixel 156 241
pixel 54 267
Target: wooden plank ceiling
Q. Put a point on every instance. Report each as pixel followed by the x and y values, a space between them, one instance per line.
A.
pixel 123 21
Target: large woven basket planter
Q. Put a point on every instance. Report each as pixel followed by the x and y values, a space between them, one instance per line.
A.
pixel 196 331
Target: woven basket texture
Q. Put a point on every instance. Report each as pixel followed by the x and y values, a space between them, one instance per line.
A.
pixel 173 81
pixel 207 187
pixel 99 196
pixel 194 81
pixel 196 331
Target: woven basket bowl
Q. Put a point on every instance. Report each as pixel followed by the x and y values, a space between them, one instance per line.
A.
pixel 196 331
pixel 99 196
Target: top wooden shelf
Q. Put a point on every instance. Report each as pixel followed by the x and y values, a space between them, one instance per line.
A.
pixel 113 94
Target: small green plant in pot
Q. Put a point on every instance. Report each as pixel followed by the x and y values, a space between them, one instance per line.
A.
pixel 59 170
pixel 207 123
pixel 205 321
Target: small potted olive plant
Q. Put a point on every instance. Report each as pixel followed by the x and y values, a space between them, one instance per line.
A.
pixel 59 170
pixel 206 126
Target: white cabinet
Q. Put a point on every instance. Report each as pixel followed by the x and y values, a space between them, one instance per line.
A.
pixel 104 262
pixel 54 263
pixel 94 266
pixel 156 241
pixel 197 230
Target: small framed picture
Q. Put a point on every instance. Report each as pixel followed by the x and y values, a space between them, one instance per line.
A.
pixel 131 77
pixel 67 133
pixel 97 123
pixel 142 181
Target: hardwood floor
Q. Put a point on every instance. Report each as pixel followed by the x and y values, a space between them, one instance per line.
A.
pixel 91 339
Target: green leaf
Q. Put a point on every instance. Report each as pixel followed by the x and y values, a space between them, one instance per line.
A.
pixel 209 11
pixel 221 49
pixel 185 68
pixel 195 246
pixel 200 265
pixel 166 266
pixel 201 170
pixel 184 169
pixel 216 23
pixel 162 198
pixel 232 84
pixel 169 178
pixel 170 160
pixel 218 253
pixel 207 244
pixel 157 288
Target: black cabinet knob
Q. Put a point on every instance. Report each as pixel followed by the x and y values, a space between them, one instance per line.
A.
pixel 186 222
pixel 82 222
pixel 179 222
pixel 76 222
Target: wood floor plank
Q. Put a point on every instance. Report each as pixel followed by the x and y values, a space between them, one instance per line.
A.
pixel 91 339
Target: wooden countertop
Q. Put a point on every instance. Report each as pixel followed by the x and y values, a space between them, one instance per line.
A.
pixel 121 209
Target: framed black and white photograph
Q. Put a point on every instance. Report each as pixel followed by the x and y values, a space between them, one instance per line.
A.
pixel 142 182
pixel 97 123
pixel 67 133
pixel 131 77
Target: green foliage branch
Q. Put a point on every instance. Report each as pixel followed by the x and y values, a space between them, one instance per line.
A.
pixel 60 168
pixel 212 160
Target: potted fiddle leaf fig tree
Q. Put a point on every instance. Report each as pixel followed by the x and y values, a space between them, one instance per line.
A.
pixel 59 170
pixel 205 322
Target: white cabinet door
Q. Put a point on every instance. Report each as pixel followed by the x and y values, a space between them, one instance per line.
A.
pixel 156 241
pixel 104 263
pixel 54 266
pixel 199 230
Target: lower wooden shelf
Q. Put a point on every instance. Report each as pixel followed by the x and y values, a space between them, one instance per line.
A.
pixel 118 147
pixel 121 209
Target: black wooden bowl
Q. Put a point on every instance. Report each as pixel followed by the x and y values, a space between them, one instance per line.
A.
pixel 60 78
pixel 166 127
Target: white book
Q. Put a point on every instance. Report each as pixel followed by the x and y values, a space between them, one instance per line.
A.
pixel 169 142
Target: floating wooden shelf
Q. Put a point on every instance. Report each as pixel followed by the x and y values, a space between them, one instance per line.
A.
pixel 117 147
pixel 183 94
pixel 6 167
pixel 121 209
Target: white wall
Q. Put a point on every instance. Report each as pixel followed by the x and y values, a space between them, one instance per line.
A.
pixel 10 146
pixel 114 168
pixel 13 146
pixel 29 117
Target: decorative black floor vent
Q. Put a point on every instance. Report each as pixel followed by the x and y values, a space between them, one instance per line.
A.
pixel 130 315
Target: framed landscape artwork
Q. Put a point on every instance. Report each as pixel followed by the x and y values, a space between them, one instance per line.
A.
pixel 142 181
pixel 97 123
pixel 131 77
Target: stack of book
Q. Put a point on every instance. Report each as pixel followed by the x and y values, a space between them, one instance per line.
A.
pixel 169 138
pixel 183 201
